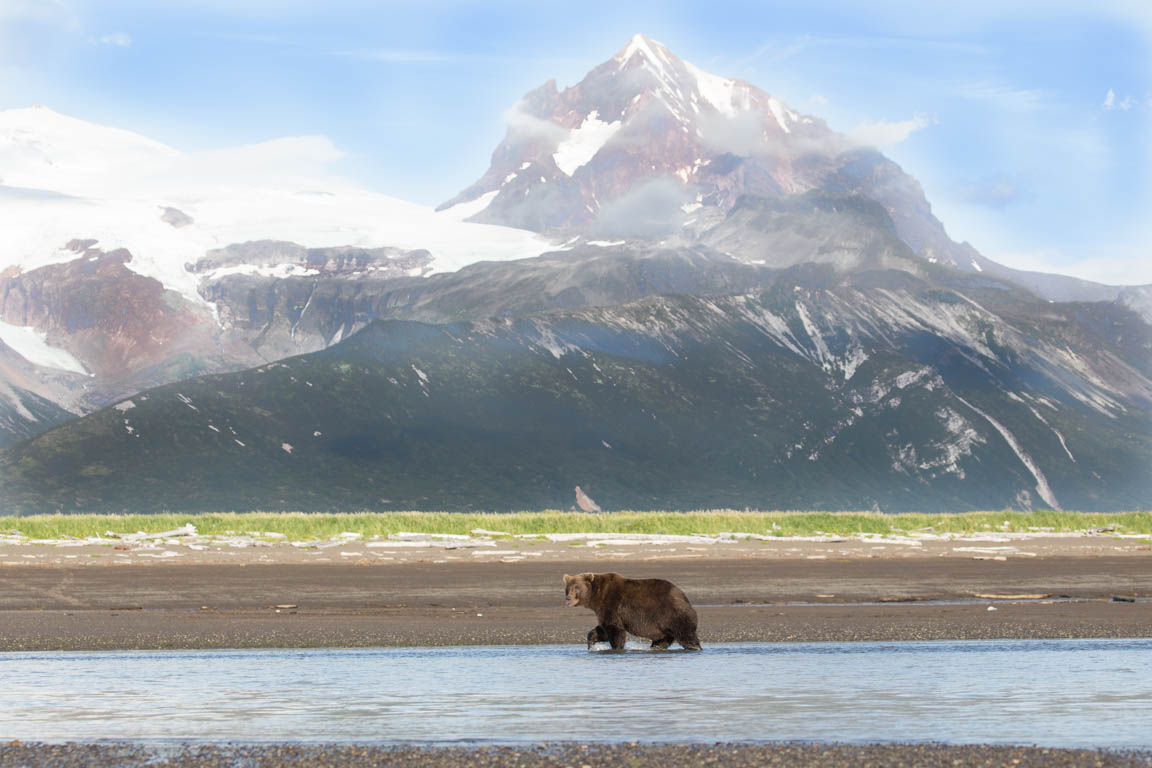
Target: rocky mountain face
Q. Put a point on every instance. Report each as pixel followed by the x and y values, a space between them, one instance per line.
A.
pixel 114 320
pixel 652 206
pixel 825 390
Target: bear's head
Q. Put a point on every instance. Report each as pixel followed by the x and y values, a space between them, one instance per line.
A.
pixel 578 588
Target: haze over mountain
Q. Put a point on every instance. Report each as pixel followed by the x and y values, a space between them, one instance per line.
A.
pixel 801 329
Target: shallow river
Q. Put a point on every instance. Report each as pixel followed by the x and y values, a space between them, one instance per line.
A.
pixel 1053 693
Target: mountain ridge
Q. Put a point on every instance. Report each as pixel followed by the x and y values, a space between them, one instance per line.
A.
pixel 823 391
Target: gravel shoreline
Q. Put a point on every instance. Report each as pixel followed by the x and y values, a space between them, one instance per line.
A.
pixel 635 755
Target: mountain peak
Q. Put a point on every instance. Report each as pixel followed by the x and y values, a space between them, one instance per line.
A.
pixel 684 87
pixel 643 117
pixel 642 45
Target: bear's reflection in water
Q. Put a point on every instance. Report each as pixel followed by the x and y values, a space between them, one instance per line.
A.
pixel 636 646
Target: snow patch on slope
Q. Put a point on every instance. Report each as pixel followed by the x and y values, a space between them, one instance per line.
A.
pixel 723 94
pixel 781 114
pixel 33 346
pixel 584 142
pixel 963 438
pixel 823 355
pixel 462 211
pixel 1042 486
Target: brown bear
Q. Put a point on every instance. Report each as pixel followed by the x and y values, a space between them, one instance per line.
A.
pixel 651 608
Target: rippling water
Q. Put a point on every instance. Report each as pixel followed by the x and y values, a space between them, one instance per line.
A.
pixel 1053 693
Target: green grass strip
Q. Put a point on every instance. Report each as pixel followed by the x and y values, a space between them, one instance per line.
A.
pixel 306 526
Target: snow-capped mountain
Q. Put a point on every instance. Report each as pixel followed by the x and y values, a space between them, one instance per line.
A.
pixel 689 229
pixel 649 145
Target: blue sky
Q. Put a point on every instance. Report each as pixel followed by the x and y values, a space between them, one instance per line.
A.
pixel 1028 123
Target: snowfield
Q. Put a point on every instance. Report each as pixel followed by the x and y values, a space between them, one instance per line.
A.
pixel 33 346
pixel 66 179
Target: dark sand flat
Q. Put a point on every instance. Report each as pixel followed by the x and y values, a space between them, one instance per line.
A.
pixel 241 605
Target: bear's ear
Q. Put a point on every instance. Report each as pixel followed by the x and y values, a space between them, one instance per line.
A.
pixel 567 578
pixel 591 577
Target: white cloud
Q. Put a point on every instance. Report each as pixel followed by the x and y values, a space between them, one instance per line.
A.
pixel 996 192
pixel 117 39
pixel 1130 268
pixel 401 56
pixel 1005 97
pixel 39 10
pixel 55 152
pixel 1123 105
pixel 291 159
pixel 26 24
pixel 776 51
pixel 524 125
pixel 882 134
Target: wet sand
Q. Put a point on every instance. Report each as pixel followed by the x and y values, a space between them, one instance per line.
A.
pixel 557 755
pixel 425 600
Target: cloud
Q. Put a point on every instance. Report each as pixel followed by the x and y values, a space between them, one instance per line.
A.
pixel 1110 102
pixel 882 134
pixel 37 10
pixel 284 160
pixel 117 39
pixel 29 27
pixel 1131 268
pixel 407 55
pixel 523 125
pixel 996 192
pixel 774 51
pixel 742 134
pixel 649 209
pixel 1005 97
pixel 403 56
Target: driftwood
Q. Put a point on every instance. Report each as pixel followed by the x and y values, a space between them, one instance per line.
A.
pixel 187 530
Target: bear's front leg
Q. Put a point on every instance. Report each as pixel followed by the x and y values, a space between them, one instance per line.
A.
pixel 616 636
pixel 597 635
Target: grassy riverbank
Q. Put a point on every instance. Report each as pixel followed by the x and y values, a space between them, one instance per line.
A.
pixel 304 526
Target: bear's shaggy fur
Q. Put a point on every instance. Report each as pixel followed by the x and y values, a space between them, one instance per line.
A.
pixel 651 608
